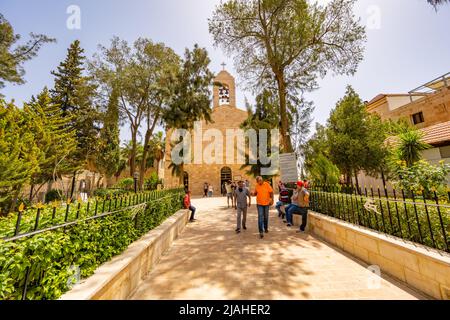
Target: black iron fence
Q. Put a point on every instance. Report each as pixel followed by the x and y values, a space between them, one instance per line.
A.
pixel 41 218
pixel 422 218
pixel 26 262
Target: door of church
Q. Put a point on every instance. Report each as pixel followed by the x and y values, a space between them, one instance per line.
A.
pixel 225 176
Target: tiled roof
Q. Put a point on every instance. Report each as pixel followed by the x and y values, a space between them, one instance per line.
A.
pixel 433 135
pixel 438 133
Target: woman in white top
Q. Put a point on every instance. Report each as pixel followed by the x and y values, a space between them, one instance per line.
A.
pixel 210 191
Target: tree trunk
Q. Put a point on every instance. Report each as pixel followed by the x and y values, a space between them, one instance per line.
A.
pixel 348 177
pixel 357 182
pixel 98 181
pixel 72 190
pixel 144 159
pixel 148 135
pixel 31 191
pixel 133 152
pixel 284 128
pixel 109 181
pixel 157 168
pixel 37 191
pixel 383 178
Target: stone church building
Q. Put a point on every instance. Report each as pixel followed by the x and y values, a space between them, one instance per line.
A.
pixel 225 115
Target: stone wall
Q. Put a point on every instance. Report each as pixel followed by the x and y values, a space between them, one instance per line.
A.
pixel 224 118
pixel 119 278
pixel 422 268
pixel 435 108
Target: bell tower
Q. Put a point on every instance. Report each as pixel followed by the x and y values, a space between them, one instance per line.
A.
pixel 224 92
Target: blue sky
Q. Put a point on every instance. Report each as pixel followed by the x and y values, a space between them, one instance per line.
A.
pixel 408 42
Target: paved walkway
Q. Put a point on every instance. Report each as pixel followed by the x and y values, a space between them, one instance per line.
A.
pixel 210 261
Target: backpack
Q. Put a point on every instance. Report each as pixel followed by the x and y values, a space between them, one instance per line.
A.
pixel 284 196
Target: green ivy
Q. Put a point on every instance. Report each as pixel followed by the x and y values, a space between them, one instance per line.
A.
pixel 51 259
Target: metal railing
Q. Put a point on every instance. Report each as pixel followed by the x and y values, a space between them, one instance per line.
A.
pixel 431 86
pixel 422 218
pixel 42 218
pixel 71 214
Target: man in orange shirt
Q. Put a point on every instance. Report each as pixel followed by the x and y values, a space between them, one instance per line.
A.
pixel 264 199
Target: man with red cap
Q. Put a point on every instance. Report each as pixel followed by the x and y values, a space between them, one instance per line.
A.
pixel 300 204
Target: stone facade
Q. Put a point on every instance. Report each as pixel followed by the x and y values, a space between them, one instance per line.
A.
pixel 422 268
pixel 435 107
pixel 225 116
pixel 435 110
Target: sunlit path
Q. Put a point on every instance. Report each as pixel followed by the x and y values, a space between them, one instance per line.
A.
pixel 210 261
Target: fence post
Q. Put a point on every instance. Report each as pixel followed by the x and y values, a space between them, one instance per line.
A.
pixel 389 209
pixel 406 212
pixel 87 207
pixel 381 208
pixel 444 233
pixel 417 217
pixel 369 216
pixel 54 210
pixel 27 278
pixel 78 208
pixel 96 207
pixel 66 218
pixel 356 204
pixel 428 218
pixel 19 218
pixel 398 215
pixel 375 214
pixel 38 215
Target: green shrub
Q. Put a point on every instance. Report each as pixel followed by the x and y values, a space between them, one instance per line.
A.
pixel 152 182
pixel 53 195
pixel 51 257
pixel 410 220
pixel 126 184
pixel 108 193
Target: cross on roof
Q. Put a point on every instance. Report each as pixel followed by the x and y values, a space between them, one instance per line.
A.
pixel 223 65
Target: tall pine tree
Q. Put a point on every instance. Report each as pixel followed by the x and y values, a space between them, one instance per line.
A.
pixel 73 92
pixel 19 155
pixel 54 137
pixel 108 155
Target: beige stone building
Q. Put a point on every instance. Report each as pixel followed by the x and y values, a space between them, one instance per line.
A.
pixel 428 109
pixel 225 116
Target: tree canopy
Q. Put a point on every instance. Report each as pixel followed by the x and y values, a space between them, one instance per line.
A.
pixel 141 76
pixel 13 55
pixel 288 44
pixel 356 137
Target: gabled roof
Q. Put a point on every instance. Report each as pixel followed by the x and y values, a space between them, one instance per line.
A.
pixel 437 133
pixel 434 135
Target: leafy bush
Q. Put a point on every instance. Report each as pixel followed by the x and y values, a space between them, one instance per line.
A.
pixel 411 220
pixel 53 195
pixel 421 176
pixel 109 193
pixel 126 184
pixel 324 171
pixel 152 182
pixel 50 258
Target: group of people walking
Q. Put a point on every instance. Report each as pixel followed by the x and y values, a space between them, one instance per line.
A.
pixel 241 199
pixel 208 190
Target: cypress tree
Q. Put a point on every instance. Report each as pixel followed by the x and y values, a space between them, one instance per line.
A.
pixel 54 137
pixel 73 93
pixel 108 155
